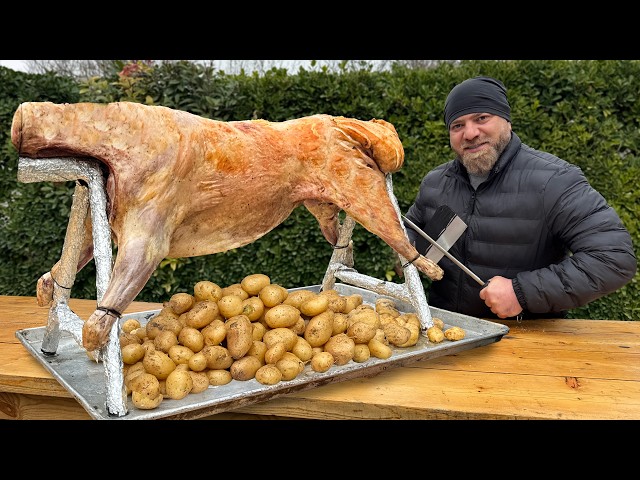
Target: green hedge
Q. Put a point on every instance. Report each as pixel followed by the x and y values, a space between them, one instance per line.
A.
pixel 587 112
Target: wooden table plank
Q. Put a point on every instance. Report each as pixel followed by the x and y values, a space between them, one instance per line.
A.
pixel 541 369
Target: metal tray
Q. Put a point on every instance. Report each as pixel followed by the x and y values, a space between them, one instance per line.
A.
pixel 85 379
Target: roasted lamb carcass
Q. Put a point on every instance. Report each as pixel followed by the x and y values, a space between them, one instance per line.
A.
pixel 181 185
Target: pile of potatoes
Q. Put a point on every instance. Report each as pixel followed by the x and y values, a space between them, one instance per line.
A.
pixel 256 329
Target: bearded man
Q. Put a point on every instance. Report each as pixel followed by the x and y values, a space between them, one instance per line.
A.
pixel 541 235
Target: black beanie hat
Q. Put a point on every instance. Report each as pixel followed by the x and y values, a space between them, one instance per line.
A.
pixel 477 95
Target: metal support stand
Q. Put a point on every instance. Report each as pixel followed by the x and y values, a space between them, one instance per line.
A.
pixel 341 267
pixel 89 193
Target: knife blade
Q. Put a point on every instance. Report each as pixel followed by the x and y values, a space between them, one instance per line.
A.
pixel 445 252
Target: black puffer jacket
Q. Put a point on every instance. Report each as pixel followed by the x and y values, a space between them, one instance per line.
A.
pixel 522 223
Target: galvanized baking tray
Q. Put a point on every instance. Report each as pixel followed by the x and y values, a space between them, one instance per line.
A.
pixel 85 379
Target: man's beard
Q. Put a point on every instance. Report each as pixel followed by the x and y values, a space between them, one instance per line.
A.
pixel 481 163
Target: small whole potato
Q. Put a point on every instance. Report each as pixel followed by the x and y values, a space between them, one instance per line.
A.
pixel 255 282
pixel 282 315
pixel 218 377
pixel 435 335
pixel 379 349
pixel 181 302
pixel 361 353
pixel 239 336
pixel 206 290
pixel 180 354
pixel 191 338
pixel 289 367
pixel 235 289
pixel 132 353
pixel 253 308
pixel 178 385
pixel 454 333
pixel 315 305
pixel 273 294
pixel 319 328
pixel 144 402
pixel 280 335
pixel 322 361
pixel 230 305
pixel 200 381
pixel 202 314
pixel 214 333
pixel 197 362
pixel 245 368
pixel 129 325
pixel 158 363
pixel 165 340
pixel 341 347
pixel 297 297
pixel 268 374
pixel 218 357
pixel 302 349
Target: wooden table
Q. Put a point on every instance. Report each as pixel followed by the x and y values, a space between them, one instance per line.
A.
pixel 542 369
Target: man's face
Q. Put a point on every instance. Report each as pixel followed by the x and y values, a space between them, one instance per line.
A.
pixel 479 139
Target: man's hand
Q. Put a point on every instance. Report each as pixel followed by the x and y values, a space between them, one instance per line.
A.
pixel 499 296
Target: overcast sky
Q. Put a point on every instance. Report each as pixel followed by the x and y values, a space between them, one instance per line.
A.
pixel 18 65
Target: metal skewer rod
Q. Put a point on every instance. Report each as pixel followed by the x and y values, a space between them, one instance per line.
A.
pixel 445 252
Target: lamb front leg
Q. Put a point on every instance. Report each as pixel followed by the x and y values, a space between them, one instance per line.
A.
pixel 135 263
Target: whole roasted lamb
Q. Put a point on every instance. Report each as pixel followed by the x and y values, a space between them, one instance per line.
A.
pixel 181 185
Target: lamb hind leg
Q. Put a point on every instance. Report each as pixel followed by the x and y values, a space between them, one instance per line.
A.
pixel 133 267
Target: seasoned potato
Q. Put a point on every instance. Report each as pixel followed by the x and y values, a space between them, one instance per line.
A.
pixel 128 338
pixel 366 315
pixel 205 290
pixel 146 384
pixel 179 384
pixel 454 333
pixel 414 335
pixel 253 283
pixel 268 374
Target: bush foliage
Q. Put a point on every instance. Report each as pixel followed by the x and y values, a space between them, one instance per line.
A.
pixel 586 111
